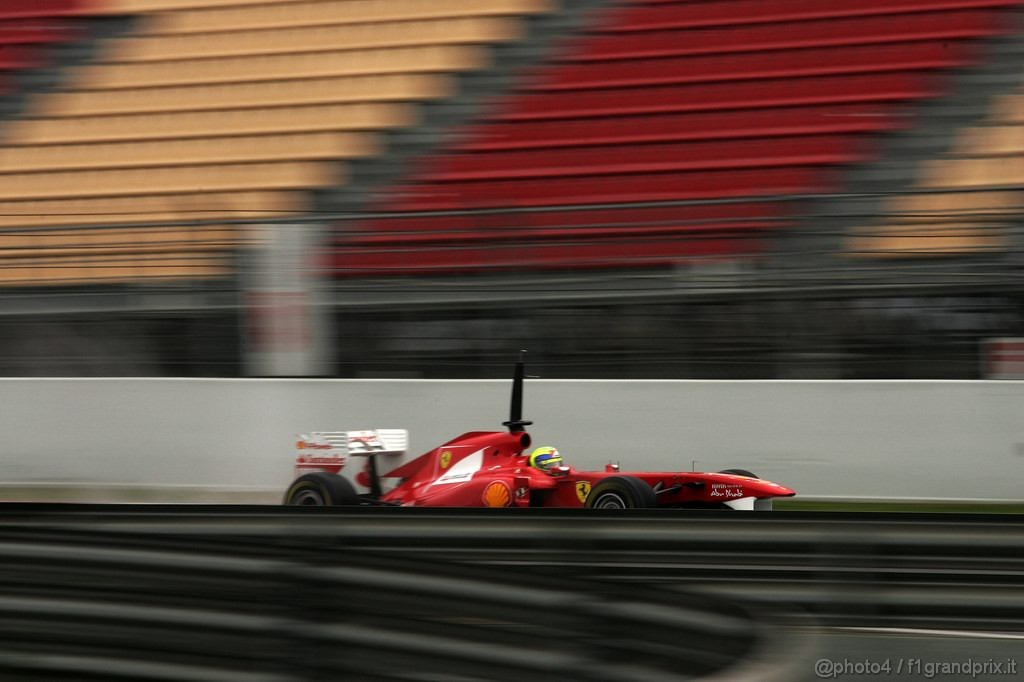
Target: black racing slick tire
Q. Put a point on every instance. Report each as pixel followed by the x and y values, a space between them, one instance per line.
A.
pixel 320 489
pixel 621 492
pixel 739 472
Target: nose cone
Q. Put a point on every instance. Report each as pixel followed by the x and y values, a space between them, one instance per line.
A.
pixel 761 487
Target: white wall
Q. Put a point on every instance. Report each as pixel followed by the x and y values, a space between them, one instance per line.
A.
pixel 874 439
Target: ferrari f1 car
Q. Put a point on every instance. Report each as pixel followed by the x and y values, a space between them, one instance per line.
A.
pixel 497 469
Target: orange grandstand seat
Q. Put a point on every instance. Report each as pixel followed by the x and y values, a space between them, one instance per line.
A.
pixel 962 203
pixel 212 109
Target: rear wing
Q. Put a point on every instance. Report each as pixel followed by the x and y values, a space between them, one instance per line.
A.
pixel 355 443
pixel 330 450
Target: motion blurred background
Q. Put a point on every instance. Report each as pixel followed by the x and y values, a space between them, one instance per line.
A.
pixel 634 189
pixel 412 188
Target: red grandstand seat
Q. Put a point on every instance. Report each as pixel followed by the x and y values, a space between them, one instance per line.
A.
pixel 13 57
pixel 638 187
pixel 734 101
pixel 560 224
pixel 648 158
pixel 35 31
pixel 21 9
pixel 675 14
pixel 762 37
pixel 778 64
pixel 554 256
pixel 27 26
pixel 670 127
pixel 883 87
pixel 574 253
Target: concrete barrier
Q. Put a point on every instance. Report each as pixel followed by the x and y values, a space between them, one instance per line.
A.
pixel 877 439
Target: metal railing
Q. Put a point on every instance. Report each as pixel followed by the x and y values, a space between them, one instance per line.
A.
pixel 190 598
pixel 905 569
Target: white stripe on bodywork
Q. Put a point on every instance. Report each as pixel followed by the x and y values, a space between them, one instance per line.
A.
pixel 742 504
pixel 463 469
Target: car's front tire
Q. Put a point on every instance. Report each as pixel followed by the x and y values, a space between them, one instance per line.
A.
pixel 320 489
pixel 622 492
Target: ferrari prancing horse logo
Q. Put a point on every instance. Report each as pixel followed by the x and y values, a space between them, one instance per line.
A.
pixel 582 490
pixel 446 459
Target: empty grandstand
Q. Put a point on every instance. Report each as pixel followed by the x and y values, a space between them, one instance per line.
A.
pixel 649 188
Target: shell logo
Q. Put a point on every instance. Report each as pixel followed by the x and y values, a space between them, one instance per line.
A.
pixel 446 459
pixel 497 494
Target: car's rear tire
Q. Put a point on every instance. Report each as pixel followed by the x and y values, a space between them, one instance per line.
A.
pixel 621 492
pixel 320 489
pixel 739 472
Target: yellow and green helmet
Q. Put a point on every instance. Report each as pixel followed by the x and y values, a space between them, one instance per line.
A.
pixel 545 458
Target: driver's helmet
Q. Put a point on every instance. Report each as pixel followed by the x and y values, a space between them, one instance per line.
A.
pixel 545 459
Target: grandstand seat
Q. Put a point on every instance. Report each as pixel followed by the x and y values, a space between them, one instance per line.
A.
pixel 213 109
pixel 142 181
pixel 658 14
pixel 648 158
pixel 228 15
pixel 45 9
pixel 963 202
pixel 36 31
pixel 637 252
pixel 28 29
pixel 669 101
pixel 90 268
pixel 938 223
pixel 187 151
pixel 774 64
pixel 734 96
pixel 159 208
pixel 14 57
pixel 243 107
pixel 678 41
pixel 378 89
pixel 566 224
pixel 677 127
pixel 588 238
pixel 209 124
pixel 639 187
pixel 122 241
pixel 274 67
pixel 237 43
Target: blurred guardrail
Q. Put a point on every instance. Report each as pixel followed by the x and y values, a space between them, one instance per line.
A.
pixel 270 593
pixel 870 569
pixel 851 569
pixel 254 594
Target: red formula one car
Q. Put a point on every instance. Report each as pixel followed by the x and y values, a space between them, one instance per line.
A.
pixel 497 469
